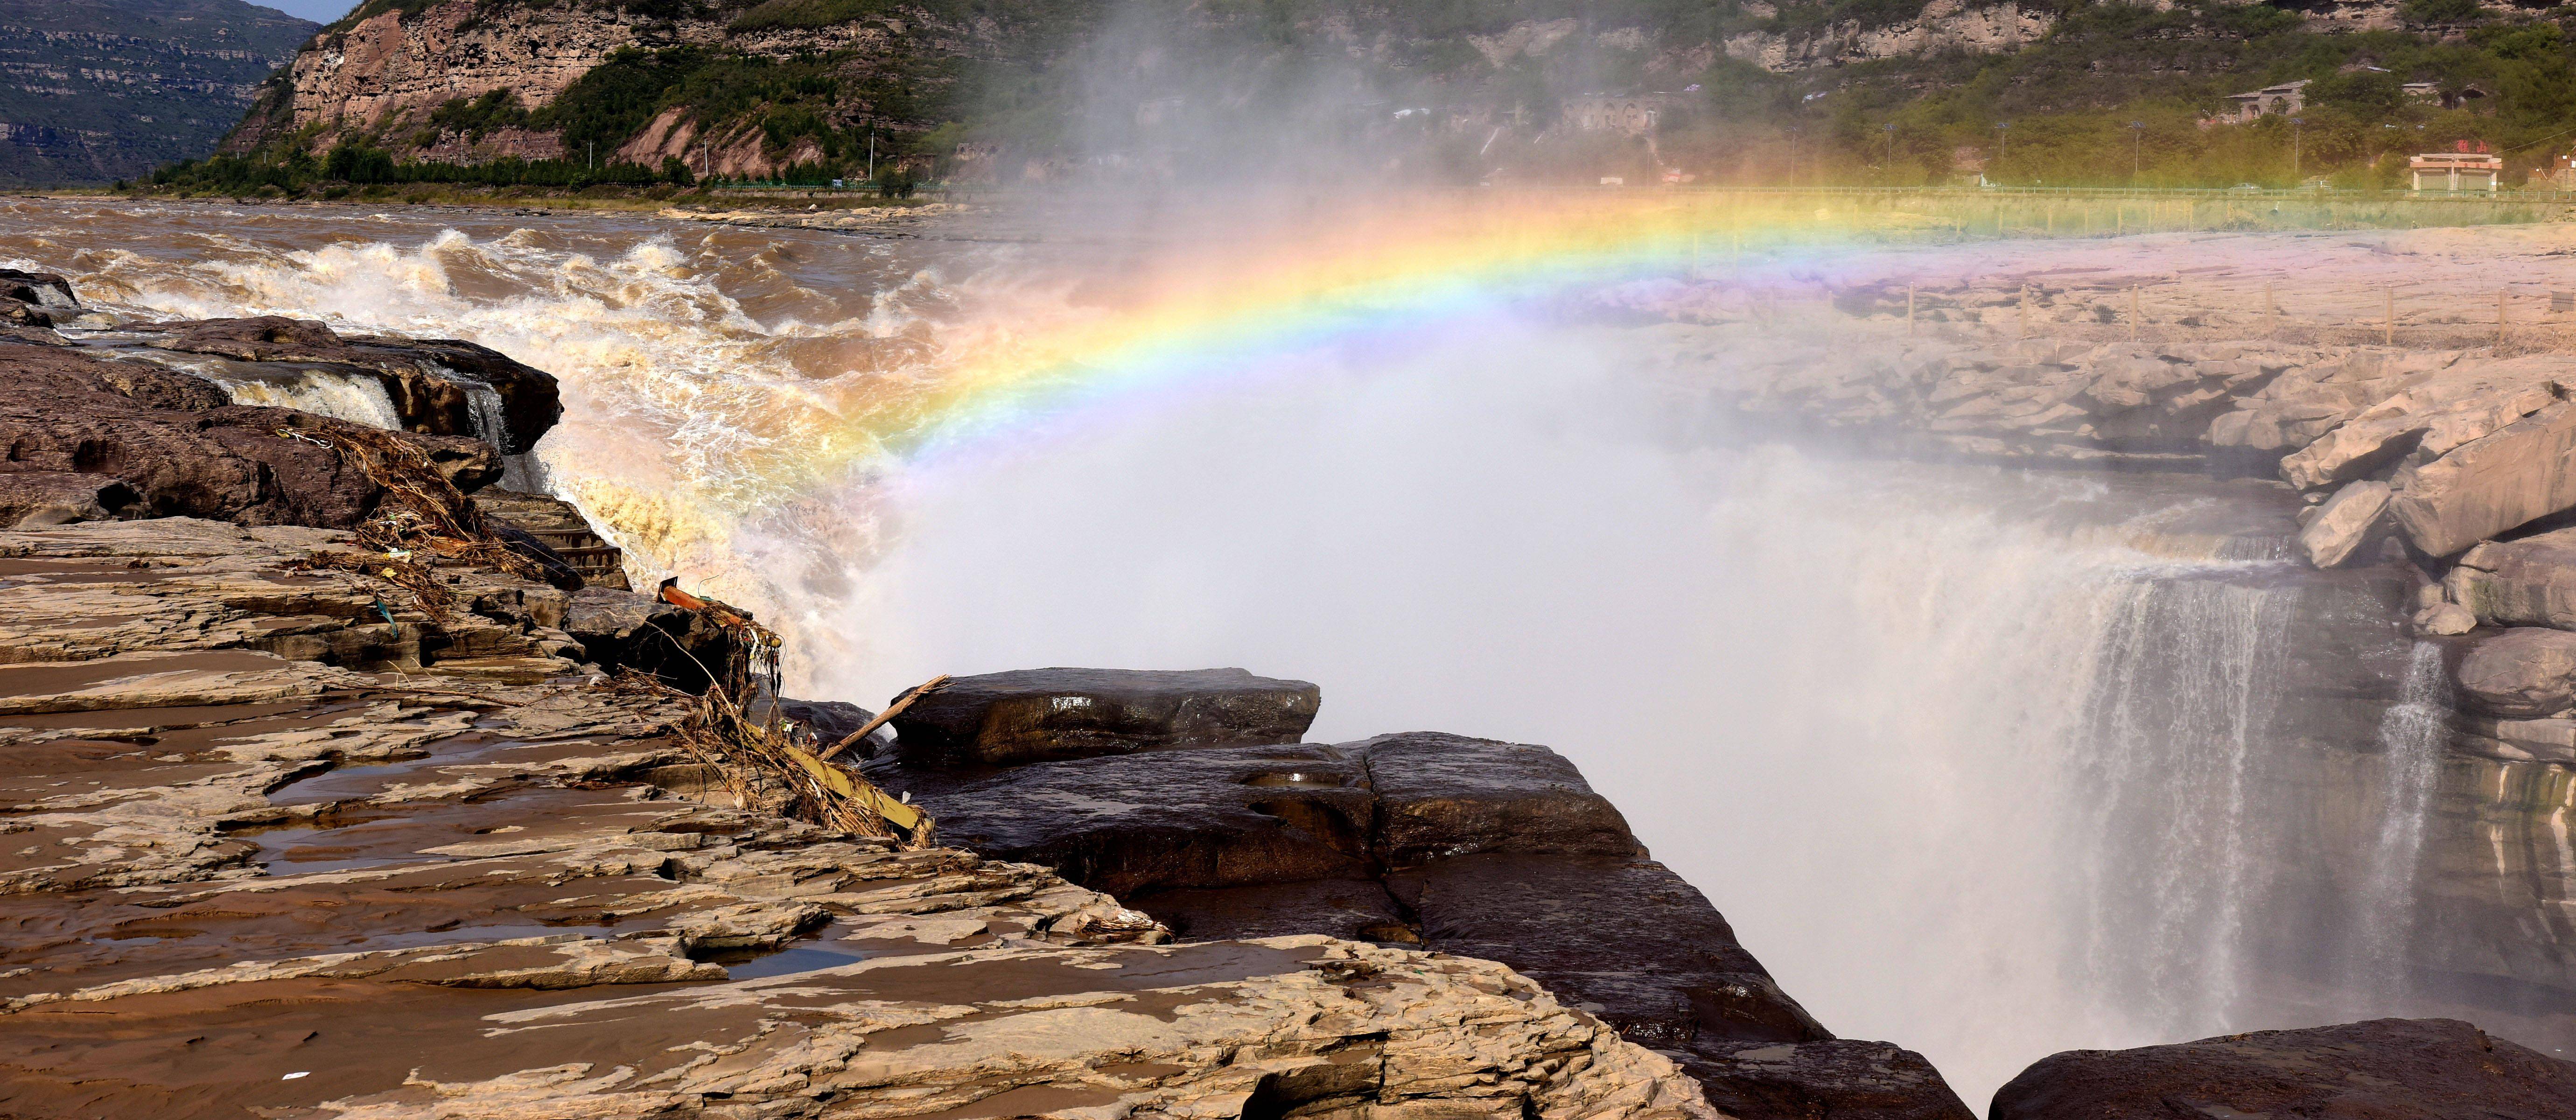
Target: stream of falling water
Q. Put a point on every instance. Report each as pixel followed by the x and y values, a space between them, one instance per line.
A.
pixel 1970 758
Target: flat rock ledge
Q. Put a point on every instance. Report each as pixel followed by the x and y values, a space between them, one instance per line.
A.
pixel 282 841
pixel 2385 1069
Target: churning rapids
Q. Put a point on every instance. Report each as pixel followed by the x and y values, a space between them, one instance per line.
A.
pixel 1986 763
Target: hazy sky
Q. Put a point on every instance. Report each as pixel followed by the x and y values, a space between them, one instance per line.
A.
pixel 319 11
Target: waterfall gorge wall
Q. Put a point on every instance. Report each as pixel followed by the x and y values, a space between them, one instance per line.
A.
pixel 1991 762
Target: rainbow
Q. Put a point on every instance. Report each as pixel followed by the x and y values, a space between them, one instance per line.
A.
pixel 1196 314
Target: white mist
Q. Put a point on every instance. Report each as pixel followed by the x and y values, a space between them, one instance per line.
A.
pixel 1839 697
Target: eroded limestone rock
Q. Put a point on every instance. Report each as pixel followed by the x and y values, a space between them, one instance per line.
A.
pixel 2524 671
pixel 246 875
pixel 2343 522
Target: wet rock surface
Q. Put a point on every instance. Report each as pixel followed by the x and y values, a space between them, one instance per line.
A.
pixel 183 449
pixel 2399 1069
pixel 433 384
pixel 999 719
pixel 279 840
pixel 1466 846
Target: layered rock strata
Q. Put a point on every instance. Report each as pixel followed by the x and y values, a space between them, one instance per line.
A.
pixel 284 842
pixel 1464 846
pixel 2415 491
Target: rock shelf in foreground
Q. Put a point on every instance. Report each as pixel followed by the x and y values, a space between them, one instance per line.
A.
pixel 259 855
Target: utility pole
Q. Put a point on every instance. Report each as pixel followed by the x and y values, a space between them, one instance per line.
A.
pixel 872 153
pixel 2298 128
pixel 594 155
pixel 2137 151
pixel 1891 148
pixel 1793 155
pixel 2003 144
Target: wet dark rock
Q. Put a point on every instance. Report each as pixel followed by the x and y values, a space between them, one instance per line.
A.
pixel 625 629
pixel 1448 795
pixel 1623 936
pixel 430 381
pixel 1358 909
pixel 1468 846
pixel 1032 715
pixel 30 500
pixel 183 450
pixel 36 298
pixel 830 720
pixel 2383 1069
pixel 1139 823
pixel 1838 1078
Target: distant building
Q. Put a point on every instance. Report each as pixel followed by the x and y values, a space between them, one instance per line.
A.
pixel 2457 171
pixel 1632 114
pixel 2288 97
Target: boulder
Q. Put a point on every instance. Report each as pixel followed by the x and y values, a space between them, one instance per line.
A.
pixel 30 499
pixel 1002 719
pixel 432 383
pixel 1139 823
pixel 183 450
pixel 1448 795
pixel 2445 620
pixel 831 721
pixel 2384 1069
pixel 1835 1077
pixel 2343 522
pixel 2526 582
pixel 2522 672
pixel 2524 471
pixel 627 630
pixel 1467 846
pixel 40 298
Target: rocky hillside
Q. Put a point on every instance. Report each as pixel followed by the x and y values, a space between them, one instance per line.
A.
pixel 737 88
pixel 1881 91
pixel 96 90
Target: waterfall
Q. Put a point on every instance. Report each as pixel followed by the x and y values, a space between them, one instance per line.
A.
pixel 1985 762
pixel 327 392
pixel 520 472
pixel 2191 684
pixel 2412 735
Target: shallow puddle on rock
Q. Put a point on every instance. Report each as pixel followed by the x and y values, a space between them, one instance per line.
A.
pixel 350 783
pixel 277 845
pixel 803 957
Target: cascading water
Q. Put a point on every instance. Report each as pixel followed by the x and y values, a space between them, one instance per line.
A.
pixel 2411 738
pixel 360 400
pixel 2191 686
pixel 1987 763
